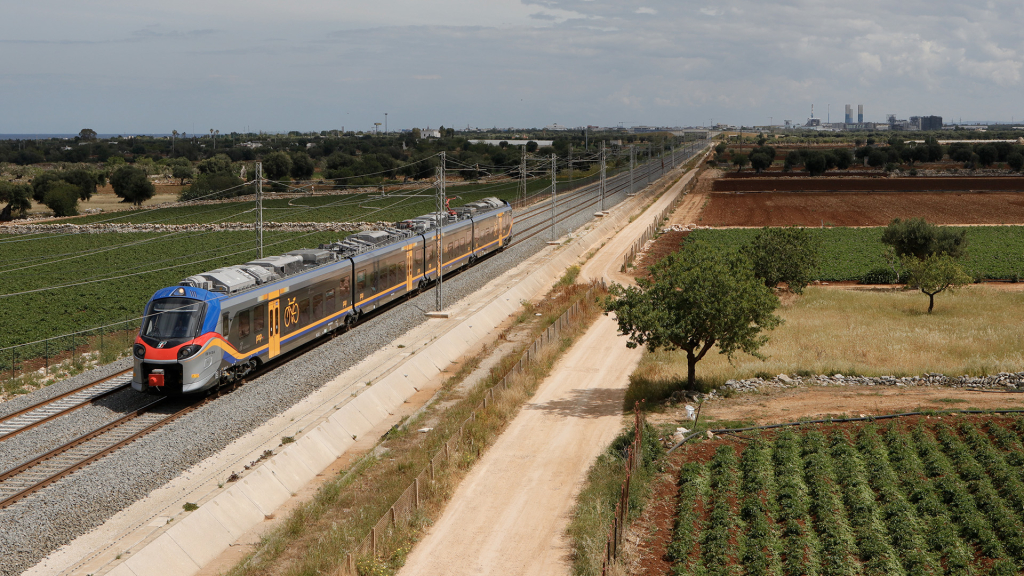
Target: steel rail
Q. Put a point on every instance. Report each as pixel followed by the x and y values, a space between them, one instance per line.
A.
pixel 48 416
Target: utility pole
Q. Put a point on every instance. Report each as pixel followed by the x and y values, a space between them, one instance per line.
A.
pixel 259 209
pixel 553 195
pixel 522 177
pixel 673 163
pixel 570 164
pixel 632 163
pixel 602 176
pixel 648 165
pixel 442 215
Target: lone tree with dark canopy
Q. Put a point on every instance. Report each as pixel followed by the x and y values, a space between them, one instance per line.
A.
pixel 132 185
pixel 790 255
pixel 916 237
pixel 694 299
pixel 929 254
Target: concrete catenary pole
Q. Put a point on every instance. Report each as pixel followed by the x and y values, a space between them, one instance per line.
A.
pixel 602 176
pixel 442 215
pixel 259 209
pixel 554 195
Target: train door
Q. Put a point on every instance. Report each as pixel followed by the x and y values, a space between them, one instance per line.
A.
pixel 501 239
pixel 274 327
pixel 409 269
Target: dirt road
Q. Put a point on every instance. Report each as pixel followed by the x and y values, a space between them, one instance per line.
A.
pixel 509 515
pixel 608 261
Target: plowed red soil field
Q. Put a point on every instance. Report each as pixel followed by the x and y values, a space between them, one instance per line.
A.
pixel 862 209
pixel 825 183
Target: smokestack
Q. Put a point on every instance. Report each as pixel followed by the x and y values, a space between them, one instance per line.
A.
pixel 860 113
pixel 849 114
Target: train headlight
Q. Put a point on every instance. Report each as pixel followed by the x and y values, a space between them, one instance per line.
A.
pixel 139 351
pixel 186 351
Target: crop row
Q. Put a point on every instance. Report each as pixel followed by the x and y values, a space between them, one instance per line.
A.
pixel 360 207
pixel 920 501
pixel 144 262
pixel 856 254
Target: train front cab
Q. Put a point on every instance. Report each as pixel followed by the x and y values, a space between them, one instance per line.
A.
pixel 178 348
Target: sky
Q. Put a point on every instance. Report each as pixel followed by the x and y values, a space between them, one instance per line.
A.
pixel 193 65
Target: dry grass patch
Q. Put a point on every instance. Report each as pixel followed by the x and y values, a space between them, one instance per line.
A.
pixel 870 333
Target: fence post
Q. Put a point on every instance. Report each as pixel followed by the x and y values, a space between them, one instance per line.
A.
pixel 418 489
pixel 373 543
pixel 431 468
pixel 46 369
pixel 394 517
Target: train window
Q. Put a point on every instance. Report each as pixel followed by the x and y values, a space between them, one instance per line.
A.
pixel 258 314
pixel 318 306
pixel 392 274
pixel 361 282
pixel 330 301
pixel 243 324
pixel 224 324
pixel 401 272
pixel 450 245
pixel 304 312
pixel 374 280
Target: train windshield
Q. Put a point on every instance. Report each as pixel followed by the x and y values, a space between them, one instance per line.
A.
pixel 173 319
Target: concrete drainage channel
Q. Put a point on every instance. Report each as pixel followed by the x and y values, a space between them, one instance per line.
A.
pixel 225 513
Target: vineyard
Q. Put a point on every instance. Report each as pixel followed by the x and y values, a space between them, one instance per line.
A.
pixel 930 497
pixel 855 254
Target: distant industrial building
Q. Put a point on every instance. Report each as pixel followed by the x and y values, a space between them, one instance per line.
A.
pixel 891 122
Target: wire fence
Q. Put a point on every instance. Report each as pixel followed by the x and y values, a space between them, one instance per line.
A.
pixel 425 487
pixel 620 521
pixel 68 352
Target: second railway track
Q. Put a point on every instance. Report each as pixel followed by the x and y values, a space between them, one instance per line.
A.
pixel 47 410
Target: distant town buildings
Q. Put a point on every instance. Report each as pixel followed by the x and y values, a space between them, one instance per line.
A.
pixel 848 124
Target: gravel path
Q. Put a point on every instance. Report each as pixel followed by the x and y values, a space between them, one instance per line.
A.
pixel 32 528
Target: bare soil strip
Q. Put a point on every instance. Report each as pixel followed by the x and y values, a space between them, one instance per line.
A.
pixel 905 184
pixel 862 209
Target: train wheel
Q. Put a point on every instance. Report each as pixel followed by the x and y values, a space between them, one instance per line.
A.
pixel 472 260
pixel 350 322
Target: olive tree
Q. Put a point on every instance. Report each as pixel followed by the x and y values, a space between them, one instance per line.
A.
pixel 918 238
pixel 132 185
pixel 695 299
pixel 791 255
pixel 18 198
pixel 933 274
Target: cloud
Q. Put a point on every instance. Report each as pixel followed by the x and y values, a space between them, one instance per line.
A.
pixel 505 62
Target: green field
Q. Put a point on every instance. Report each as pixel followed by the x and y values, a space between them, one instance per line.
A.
pixel 331 208
pixel 903 499
pixel 993 252
pixel 149 260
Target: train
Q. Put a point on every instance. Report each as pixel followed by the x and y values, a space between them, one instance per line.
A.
pixel 217 327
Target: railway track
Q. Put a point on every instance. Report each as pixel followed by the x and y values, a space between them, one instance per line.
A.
pixel 41 471
pixel 32 416
pixel 33 475
pixel 564 207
